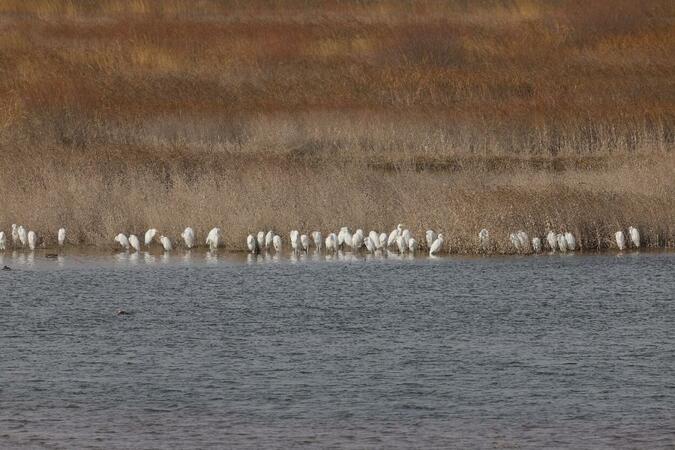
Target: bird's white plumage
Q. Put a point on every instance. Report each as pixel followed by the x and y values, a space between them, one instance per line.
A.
pixel 552 240
pixel 413 245
pixel 61 236
pixel 437 245
pixel 268 239
pixel 260 240
pixel 318 239
pixel 562 242
pixel 484 238
pixel 620 240
pixel 331 242
pixel 166 243
pixel 536 244
pixel 304 242
pixel 406 235
pixel 634 235
pixel 3 240
pixel 23 235
pixel 430 236
pixel 188 236
pixel 368 243
pixel 524 241
pixel 251 243
pixel 402 244
pixel 374 239
pixel 383 240
pixel 150 235
pixel 213 238
pixel 357 240
pixel 394 234
pixel 134 242
pixel 515 241
pixel 122 240
pixel 571 242
pixel 32 240
pixel 276 242
pixel 295 240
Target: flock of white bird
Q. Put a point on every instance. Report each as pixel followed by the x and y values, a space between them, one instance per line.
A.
pixel 399 239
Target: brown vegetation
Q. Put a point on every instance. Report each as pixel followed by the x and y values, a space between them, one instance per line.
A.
pixel 116 115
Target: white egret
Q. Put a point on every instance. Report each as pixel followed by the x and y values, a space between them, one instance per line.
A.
pixel 276 242
pixel 536 244
pixel 634 236
pixel 515 240
pixel 331 243
pixel 437 245
pixel 402 244
pixel 357 240
pixel 15 235
pixel 213 238
pixel 552 240
pixel 295 240
pixel 413 245
pixel 394 234
pixel 268 239
pixel 23 235
pixel 188 236
pixel 562 242
pixel 318 239
pixel 368 242
pixel 3 240
pixel 304 242
pixel 346 237
pixel 122 240
pixel 620 240
pixel 374 239
pixel 134 242
pixel 260 240
pixel 32 240
pixel 484 238
pixel 61 236
pixel 524 241
pixel 571 242
pixel 430 237
pixel 406 235
pixel 150 235
pixel 252 244
pixel 166 243
pixel 383 240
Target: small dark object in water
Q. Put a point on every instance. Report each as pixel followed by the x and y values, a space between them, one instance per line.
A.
pixel 51 255
pixel 121 312
pixel 6 268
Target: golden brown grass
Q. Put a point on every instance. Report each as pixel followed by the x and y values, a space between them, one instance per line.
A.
pixel 118 115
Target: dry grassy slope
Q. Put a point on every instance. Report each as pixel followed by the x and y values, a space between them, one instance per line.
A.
pixel 117 115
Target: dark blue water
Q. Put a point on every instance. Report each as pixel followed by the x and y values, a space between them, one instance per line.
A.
pixel 527 352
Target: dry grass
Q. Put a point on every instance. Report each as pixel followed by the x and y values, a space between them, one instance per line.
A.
pixel 117 115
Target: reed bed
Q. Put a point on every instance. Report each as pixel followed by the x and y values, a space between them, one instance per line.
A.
pixel 116 116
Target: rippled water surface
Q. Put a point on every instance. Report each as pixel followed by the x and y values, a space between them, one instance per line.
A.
pixel 549 351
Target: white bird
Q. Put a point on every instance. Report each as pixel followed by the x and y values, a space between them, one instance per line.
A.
pixel 634 236
pixel 374 239
pixel 150 235
pixel 536 244
pixel 357 240
pixel 413 245
pixel 406 235
pixel 32 240
pixel 15 235
pixel 276 242
pixel 213 238
pixel 394 234
pixel 402 244
pixel 552 240
pixel 318 240
pixel 260 240
pixel 368 242
pixel 346 237
pixel 515 240
pixel 295 240
pixel 562 243
pixel 268 239
pixel 571 242
pixel 383 240
pixel 431 237
pixel 23 235
pixel 437 245
pixel 252 244
pixel 61 236
pixel 331 242
pixel 188 236
pixel 134 242
pixel 620 240
pixel 304 241
pixel 122 240
pixel 3 240
pixel 524 241
pixel 484 238
pixel 166 243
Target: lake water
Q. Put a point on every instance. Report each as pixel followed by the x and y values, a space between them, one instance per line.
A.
pixel 573 351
